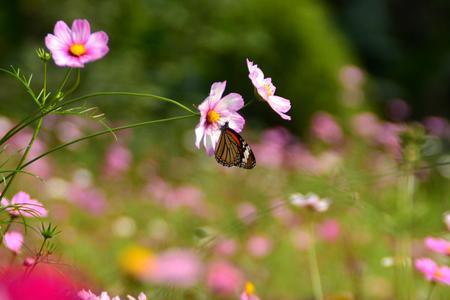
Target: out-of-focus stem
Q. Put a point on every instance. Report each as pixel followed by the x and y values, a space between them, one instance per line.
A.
pixel 430 291
pixel 314 266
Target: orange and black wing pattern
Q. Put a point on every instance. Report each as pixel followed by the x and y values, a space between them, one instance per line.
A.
pixel 233 151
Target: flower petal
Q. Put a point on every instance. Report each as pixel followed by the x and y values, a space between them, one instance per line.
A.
pixel 232 101
pixel 96 47
pixel 81 31
pixel 235 121
pixel 62 31
pixel 215 93
pixel 280 106
pixel 199 132
pixel 53 43
pixel 13 241
pixel 255 74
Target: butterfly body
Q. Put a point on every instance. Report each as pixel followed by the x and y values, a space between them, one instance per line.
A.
pixel 232 150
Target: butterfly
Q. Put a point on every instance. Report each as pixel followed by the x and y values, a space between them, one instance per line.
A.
pixel 232 150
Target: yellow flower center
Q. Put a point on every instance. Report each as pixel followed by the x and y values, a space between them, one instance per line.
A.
pixel 249 288
pixel 136 259
pixel 212 117
pixel 77 49
pixel 438 274
pixel 268 89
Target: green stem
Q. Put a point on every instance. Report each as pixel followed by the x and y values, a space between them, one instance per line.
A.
pixel 63 83
pixel 76 84
pixel 41 114
pixel 314 266
pixel 430 290
pixel 98 134
pixel 44 93
pixel 22 159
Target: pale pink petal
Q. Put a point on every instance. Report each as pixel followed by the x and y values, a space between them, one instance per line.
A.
pixel 53 43
pixel 199 132
pixel 13 241
pixel 80 31
pixel 280 106
pixel 210 141
pixel 444 275
pixel 235 121
pixel 96 47
pixel 232 101
pixel 4 202
pixel 426 266
pixel 215 93
pixel 256 75
pixel 64 59
pixel 62 32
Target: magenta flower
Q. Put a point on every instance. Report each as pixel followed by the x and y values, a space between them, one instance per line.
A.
pixel 77 46
pixel 438 245
pixel 214 112
pixel 223 278
pixel 13 240
pixel 329 230
pixel 21 204
pixel 266 90
pixel 432 271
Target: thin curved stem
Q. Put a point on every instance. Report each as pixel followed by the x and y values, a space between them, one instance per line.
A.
pixel 41 114
pixel 98 134
pixel 314 266
pixel 22 159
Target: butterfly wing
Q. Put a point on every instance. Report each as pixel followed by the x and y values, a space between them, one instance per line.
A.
pixel 233 151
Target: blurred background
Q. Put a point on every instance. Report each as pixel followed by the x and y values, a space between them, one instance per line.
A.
pixel 356 72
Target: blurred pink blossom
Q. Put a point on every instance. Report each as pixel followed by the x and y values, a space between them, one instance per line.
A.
pixel 247 212
pixel 324 126
pixel 398 110
pixel 282 213
pixel 21 204
pixel 5 125
pixel 29 261
pixel 215 111
pixel 432 271
pixel 270 151
pixel 13 240
pixel 76 46
pixel 89 198
pixel 179 267
pixel 117 160
pixel 389 137
pixel 266 90
pixel 437 126
pixel 224 278
pixel 438 245
pixel 329 230
pixel 366 125
pixel 259 245
pixel 301 239
pixel 225 247
pixel 352 77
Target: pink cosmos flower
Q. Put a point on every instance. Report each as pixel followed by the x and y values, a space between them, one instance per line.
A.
pixel 438 245
pixel 224 278
pixel 181 268
pixel 13 240
pixel 259 246
pixel 432 271
pixel 329 230
pixel 214 112
pixel 249 292
pixel 225 247
pixel 117 161
pixel 266 90
pixel 325 127
pixel 77 46
pixel 311 201
pixel 21 204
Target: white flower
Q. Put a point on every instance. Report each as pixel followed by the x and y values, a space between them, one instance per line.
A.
pixel 311 201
